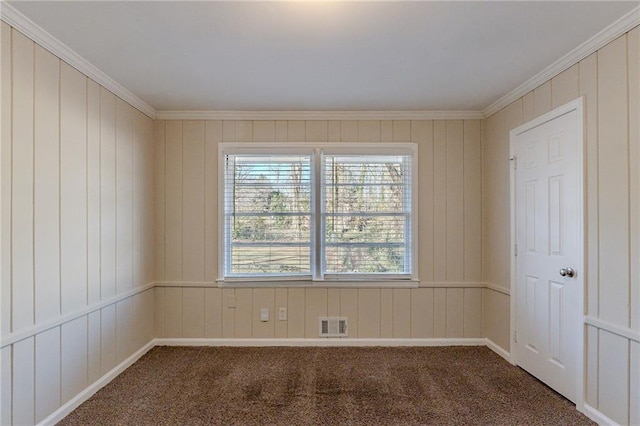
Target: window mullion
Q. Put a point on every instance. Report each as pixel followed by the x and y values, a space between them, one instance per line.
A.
pixel 317 196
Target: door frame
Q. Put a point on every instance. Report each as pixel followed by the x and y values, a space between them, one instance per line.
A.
pixel 581 278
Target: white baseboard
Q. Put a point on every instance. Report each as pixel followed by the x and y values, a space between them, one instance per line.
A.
pixel 320 342
pixel 88 392
pixel 499 350
pixel 597 416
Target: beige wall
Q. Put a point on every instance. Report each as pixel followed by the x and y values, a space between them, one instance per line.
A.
pixel 449 236
pixel 77 179
pixel 610 82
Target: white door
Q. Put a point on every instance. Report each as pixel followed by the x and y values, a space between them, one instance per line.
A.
pixel 548 251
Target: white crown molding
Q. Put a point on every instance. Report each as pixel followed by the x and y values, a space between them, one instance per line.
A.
pixel 36 33
pixel 610 33
pixel 319 115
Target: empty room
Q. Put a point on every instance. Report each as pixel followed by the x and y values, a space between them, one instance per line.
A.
pixel 320 212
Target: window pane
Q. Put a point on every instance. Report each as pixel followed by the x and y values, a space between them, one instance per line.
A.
pixel 366 216
pixel 268 215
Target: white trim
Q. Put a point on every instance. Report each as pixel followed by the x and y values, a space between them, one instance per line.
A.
pixel 36 33
pixel 578 106
pixel 332 284
pixel 497 288
pixel 625 332
pixel 39 328
pixel 597 416
pixel 319 115
pixel 610 33
pixel 499 350
pixel 320 342
pixel 75 402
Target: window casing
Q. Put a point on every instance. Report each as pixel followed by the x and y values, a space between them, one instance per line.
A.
pixel 317 212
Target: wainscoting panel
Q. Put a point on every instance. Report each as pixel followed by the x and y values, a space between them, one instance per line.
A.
pixel 193 311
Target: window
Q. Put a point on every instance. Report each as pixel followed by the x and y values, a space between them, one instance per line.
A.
pixel 321 213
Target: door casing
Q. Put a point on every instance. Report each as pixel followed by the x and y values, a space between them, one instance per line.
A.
pixel 578 106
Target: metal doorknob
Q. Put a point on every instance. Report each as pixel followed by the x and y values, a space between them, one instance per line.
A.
pixel 567 272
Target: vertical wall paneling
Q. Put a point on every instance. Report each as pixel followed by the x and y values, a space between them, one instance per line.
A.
pixel 213 135
pixel 159 197
pixel 124 333
pixel 23 382
pixel 422 313
pixel 348 131
pixel 369 312
pixel 107 338
pixel 243 131
pixel 296 131
pixel 472 166
pixel 386 131
pixel 212 312
pixel 263 298
pixel 107 194
pixel 542 99
pixel 455 200
pixel 77 164
pixel 565 86
pixel 439 201
pixel 634 389
pixel 315 306
pixel 633 49
pixel 349 309
pixel 244 307
pixel 228 131
pixel 589 89
pixel 93 192
pixel 264 131
pixel 368 130
pixel 159 311
pixel 333 302
pixel 6 189
pixel 613 382
pixel 612 127
pixel 472 312
pixel 228 312
pixel 173 200
pixel 281 301
pixel 316 131
pixel 386 313
pixel 401 130
pixel 296 315
pixel 422 134
pixel 401 313
pixel 455 312
pixel 46 186
pixel 333 131
pixel 193 312
pixel 528 107
pixel 94 347
pixel 440 312
pixel 74 358
pixel 281 131
pixel 47 373
pixel 173 312
pixel 591 385
pixel 6 379
pixel 124 196
pixel 193 190
pixel 22 182
pixel 73 188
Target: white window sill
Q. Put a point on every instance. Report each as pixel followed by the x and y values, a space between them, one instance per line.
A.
pixel 351 283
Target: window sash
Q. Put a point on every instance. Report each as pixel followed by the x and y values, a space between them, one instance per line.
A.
pixel 316 214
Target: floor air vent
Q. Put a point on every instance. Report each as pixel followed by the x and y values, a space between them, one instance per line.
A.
pixel 333 327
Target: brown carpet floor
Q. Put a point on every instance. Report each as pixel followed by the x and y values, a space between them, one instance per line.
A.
pixel 324 386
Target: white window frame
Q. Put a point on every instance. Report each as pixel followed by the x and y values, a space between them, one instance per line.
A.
pixel 316 150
